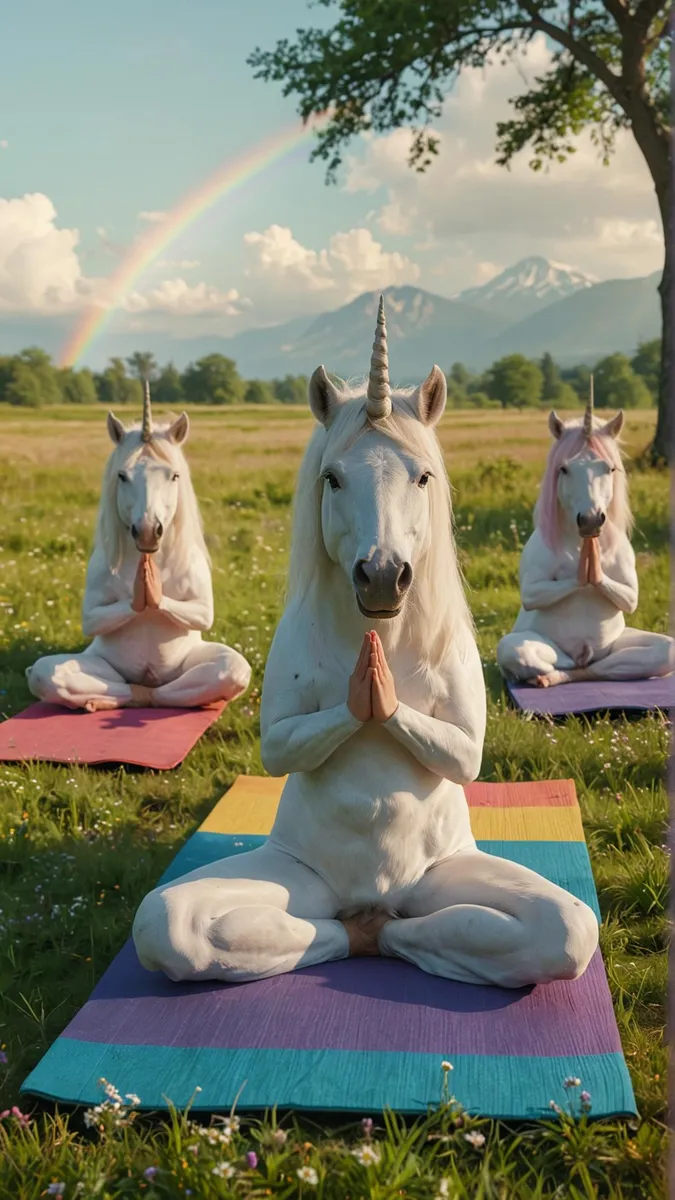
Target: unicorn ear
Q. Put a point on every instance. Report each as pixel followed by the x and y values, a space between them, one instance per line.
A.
pixel 324 398
pixel 555 425
pixel 613 427
pixel 115 429
pixel 430 398
pixel 179 430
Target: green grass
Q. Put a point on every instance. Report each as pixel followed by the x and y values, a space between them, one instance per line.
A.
pixel 79 848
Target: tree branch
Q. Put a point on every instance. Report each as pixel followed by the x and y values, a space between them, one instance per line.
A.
pixel 581 51
pixel 646 11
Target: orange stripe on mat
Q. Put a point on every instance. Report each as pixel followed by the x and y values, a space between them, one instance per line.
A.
pixel 540 811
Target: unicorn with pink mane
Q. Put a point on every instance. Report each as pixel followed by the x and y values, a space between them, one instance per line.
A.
pixel 577 571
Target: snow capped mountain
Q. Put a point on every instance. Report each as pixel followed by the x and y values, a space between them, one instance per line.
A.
pixel 527 287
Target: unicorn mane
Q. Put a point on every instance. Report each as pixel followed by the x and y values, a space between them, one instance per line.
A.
pixel 186 531
pixel 437 608
pixel 572 442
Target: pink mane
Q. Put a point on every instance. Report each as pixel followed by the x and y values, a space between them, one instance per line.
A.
pixel 570 444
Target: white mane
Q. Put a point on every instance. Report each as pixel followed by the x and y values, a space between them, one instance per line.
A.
pixel 185 532
pixel 437 607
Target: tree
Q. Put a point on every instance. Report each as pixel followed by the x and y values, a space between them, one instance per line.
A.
pixel 33 380
pixel 552 379
pixel 292 389
pixel 77 387
pixel 390 63
pixel 167 390
pixel 213 380
pixel 258 391
pixel 114 386
pixel 6 368
pixel 460 375
pixel 142 364
pixel 515 382
pixel 646 362
pixel 617 386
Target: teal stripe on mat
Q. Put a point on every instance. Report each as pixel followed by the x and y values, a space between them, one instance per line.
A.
pixel 564 863
pixel 511 1088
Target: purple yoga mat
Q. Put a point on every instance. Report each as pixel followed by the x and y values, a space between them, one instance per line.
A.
pixel 357 1004
pixel 639 695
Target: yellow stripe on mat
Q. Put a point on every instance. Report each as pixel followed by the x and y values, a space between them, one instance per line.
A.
pixel 251 804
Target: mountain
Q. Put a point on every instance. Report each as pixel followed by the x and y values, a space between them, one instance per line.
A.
pixel 567 314
pixel 527 287
pixel 610 316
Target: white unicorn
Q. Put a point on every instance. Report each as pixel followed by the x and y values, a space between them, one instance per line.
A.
pixel 577 570
pixel 371 851
pixel 148 594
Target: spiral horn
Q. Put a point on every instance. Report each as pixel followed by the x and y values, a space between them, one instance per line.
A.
pixel 588 415
pixel 146 428
pixel 379 391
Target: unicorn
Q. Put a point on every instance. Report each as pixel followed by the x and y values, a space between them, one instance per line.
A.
pixel 374 706
pixel 148 595
pixel 577 570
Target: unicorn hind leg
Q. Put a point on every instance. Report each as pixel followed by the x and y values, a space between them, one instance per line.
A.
pixel 78 681
pixel 636 654
pixel 530 657
pixel 209 673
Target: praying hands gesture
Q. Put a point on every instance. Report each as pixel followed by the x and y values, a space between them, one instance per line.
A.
pixel 590 570
pixel 147 591
pixel 372 691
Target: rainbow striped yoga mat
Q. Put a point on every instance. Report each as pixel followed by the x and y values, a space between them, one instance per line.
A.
pixel 363 1034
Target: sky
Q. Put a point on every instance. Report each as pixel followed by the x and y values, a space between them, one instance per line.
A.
pixel 110 115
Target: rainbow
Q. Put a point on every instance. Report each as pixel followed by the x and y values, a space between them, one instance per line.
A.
pixel 226 179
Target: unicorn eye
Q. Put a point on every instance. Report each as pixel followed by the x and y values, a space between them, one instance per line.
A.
pixel 332 480
pixel 424 479
pixel 123 476
pixel 174 477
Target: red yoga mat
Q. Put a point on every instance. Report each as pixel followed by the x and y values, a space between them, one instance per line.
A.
pixel 159 738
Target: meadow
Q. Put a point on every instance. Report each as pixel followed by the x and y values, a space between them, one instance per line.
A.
pixel 79 848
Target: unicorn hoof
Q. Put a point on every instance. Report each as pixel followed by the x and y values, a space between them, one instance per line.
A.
pixel 363 932
pixel 101 704
pixel 543 681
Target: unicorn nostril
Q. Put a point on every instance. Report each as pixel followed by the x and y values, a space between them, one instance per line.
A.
pixel 404 578
pixel 580 520
pixel 361 576
pixel 159 529
pixel 134 531
pixel 602 518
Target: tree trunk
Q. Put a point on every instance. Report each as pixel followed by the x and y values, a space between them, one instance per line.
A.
pixel 662 448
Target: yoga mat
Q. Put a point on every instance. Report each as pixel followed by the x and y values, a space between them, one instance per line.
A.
pixel 146 737
pixel 638 695
pixel 359 1035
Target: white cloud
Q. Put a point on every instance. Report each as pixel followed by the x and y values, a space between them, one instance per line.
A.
pixel 352 263
pixel 179 298
pixel 183 264
pixel 152 217
pixel 603 220
pixel 39 266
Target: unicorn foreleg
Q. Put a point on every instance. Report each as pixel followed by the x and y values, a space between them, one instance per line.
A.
pixel 78 681
pixel 210 672
pixel 528 656
pixel 477 918
pixel 249 917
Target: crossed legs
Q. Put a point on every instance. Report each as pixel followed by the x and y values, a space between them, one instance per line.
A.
pixel 636 654
pixel 475 918
pixel 209 672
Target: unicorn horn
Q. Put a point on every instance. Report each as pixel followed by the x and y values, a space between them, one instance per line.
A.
pixel 588 415
pixel 146 428
pixel 378 403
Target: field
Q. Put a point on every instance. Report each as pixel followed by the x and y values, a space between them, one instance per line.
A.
pixel 79 849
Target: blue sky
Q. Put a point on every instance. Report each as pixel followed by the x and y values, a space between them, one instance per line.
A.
pixel 109 112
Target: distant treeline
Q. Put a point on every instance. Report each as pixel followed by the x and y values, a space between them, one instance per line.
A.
pixel 31 380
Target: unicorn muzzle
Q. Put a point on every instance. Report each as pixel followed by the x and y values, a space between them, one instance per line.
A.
pixel 147 535
pixel 381 589
pixel 590 523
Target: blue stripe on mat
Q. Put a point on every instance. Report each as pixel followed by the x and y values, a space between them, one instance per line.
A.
pixel 564 863
pixel 325 1080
